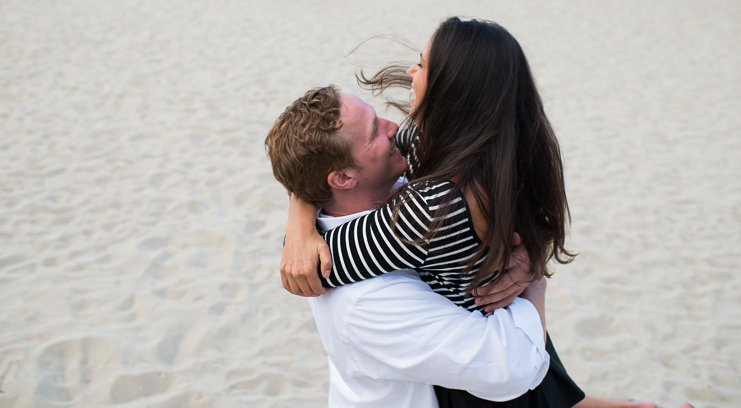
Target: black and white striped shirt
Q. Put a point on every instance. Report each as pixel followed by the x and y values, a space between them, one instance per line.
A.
pixel 367 246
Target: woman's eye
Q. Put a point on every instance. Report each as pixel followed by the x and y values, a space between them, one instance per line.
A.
pixel 419 65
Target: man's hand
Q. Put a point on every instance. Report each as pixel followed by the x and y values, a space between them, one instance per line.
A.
pixel 511 284
pixel 302 252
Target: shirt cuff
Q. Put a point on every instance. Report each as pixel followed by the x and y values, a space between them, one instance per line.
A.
pixel 527 319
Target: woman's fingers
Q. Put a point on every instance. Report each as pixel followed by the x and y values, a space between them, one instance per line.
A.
pixel 500 304
pixel 303 281
pixel 284 280
pixel 303 248
pixel 291 284
pixel 325 258
pixel 308 287
pixel 312 284
pixel 289 279
pixel 298 284
pixel 322 259
pixel 292 275
pixel 304 252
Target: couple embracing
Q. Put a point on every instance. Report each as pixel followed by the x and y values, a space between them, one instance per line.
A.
pixel 435 238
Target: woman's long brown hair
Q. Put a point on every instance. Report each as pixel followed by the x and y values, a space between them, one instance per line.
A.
pixel 482 123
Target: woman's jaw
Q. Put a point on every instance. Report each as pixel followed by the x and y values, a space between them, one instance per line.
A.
pixel 418 73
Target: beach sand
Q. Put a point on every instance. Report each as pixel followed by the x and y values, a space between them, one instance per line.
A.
pixel 141 227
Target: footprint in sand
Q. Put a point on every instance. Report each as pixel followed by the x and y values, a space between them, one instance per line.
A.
pixel 131 387
pixel 69 369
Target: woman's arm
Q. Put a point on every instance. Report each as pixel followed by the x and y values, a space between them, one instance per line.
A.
pixel 304 248
pixel 369 246
pixel 403 139
pixel 302 251
pixel 360 249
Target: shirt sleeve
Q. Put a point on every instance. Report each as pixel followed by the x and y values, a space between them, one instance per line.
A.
pixel 369 246
pixel 424 336
pixel 403 139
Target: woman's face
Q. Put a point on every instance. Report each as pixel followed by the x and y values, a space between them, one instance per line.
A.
pixel 418 73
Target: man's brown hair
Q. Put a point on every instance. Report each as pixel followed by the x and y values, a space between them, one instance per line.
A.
pixel 303 147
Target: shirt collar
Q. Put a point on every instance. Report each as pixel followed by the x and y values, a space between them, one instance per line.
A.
pixel 327 222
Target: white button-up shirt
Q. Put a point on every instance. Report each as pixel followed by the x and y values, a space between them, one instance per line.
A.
pixel 389 338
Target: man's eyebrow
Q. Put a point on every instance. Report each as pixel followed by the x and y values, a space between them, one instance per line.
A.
pixel 375 127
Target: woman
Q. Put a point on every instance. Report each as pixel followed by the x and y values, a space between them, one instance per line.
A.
pixel 484 164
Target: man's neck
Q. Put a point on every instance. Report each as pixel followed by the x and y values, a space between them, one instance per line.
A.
pixel 346 202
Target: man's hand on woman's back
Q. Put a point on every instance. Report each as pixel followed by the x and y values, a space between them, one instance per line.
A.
pixel 515 278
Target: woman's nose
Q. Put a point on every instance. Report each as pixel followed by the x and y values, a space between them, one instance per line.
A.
pixel 411 70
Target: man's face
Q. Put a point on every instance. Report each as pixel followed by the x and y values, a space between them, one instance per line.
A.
pixel 372 144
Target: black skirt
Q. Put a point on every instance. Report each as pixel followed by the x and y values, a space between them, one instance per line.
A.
pixel 557 390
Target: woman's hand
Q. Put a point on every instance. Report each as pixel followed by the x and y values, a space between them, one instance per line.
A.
pixel 513 282
pixel 303 251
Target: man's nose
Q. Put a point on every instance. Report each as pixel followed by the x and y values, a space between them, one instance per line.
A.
pixel 391 128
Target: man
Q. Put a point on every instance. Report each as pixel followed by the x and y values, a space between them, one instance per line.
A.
pixel 390 337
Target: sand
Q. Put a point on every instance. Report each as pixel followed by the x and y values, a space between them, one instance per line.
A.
pixel 140 225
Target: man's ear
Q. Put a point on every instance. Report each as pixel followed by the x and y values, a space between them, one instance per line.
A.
pixel 341 180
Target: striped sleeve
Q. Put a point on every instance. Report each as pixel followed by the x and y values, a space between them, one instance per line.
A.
pixel 367 246
pixel 403 139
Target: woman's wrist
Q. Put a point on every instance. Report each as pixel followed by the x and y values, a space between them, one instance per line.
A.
pixel 301 215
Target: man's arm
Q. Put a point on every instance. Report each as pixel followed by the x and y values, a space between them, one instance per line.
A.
pixel 405 325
